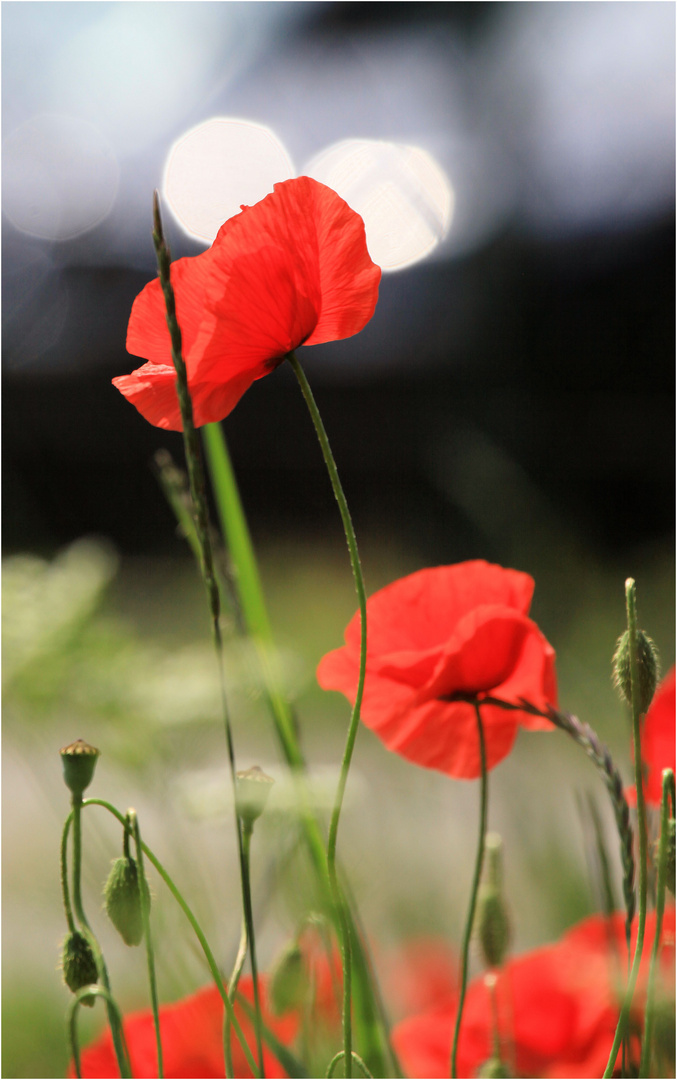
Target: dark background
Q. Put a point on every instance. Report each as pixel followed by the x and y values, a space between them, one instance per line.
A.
pixel 546 346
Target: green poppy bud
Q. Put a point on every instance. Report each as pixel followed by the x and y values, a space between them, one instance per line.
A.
pixel 647 669
pixel 288 980
pixel 123 899
pixel 79 763
pixel 493 924
pixel 252 788
pixel 79 965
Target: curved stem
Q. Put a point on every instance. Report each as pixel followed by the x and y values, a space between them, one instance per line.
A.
pixel 370 1019
pixel 247 829
pixel 145 918
pixel 668 779
pixel 65 892
pixel 113 1013
pixel 479 859
pixel 623 1019
pixel 339 1057
pixel 87 992
pixel 355 716
pixel 232 991
pixel 197 929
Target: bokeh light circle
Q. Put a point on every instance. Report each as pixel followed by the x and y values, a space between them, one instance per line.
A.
pixel 401 192
pixel 218 166
pixel 60 176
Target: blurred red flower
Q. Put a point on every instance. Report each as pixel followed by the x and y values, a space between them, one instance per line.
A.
pixel 557 1007
pixel 658 741
pixel 451 630
pixel 192 1039
pixel 292 270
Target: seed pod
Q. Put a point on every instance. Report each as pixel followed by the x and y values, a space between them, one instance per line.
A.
pixel 79 762
pixel 252 788
pixel 647 668
pixel 123 899
pixel 289 983
pixel 79 965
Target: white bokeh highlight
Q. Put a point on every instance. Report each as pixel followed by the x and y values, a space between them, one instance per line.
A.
pixel 402 194
pixel 216 167
pixel 60 176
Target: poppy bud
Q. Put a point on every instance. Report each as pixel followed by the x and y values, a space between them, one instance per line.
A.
pixel 79 763
pixel 252 788
pixel 288 980
pixel 79 965
pixel 494 1067
pixel 493 924
pixel 647 668
pixel 123 899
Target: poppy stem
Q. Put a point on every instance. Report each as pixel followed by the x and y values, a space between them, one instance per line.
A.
pixel 623 1019
pixel 75 820
pixel 668 784
pixel 339 900
pixel 370 1019
pixel 144 897
pixel 197 929
pixel 479 859
pixel 198 489
pixel 232 991
pixel 247 829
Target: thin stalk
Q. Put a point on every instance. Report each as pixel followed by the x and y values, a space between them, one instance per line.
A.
pixel 247 829
pixel 599 754
pixel 339 1057
pixel 479 860
pixel 232 991
pixel 65 892
pixel 668 780
pixel 113 1013
pixel 197 929
pixel 623 1019
pixel 145 918
pixel 86 992
pixel 355 716
pixel 197 484
pixel 369 1018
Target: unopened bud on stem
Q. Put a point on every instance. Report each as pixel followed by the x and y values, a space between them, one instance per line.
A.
pixel 493 924
pixel 79 965
pixel 647 668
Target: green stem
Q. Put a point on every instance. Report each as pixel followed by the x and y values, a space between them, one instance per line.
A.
pixel 369 1016
pixel 623 1019
pixel 355 717
pixel 232 991
pixel 247 829
pixel 198 492
pixel 479 859
pixel 145 918
pixel 668 781
pixel 197 930
pixel 87 992
pixel 65 892
pixel 113 1013
pixel 339 1057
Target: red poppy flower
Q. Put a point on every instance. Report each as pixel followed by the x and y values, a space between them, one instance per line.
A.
pixel 192 1039
pixel 445 632
pixel 557 1007
pixel 658 741
pixel 292 270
